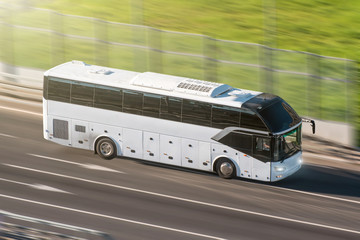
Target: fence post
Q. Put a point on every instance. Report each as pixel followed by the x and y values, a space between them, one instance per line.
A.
pixel 210 60
pixel 139 35
pixel 356 102
pixel 58 39
pixel 155 54
pixel 268 75
pixel 101 49
pixel 314 85
pixel 8 47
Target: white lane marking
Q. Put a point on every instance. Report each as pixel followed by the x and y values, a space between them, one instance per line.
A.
pixel 20 110
pixel 112 217
pixel 84 165
pixel 100 168
pixel 36 186
pixel 282 188
pixel 48 188
pixel 190 200
pixel 317 195
pixel 6 135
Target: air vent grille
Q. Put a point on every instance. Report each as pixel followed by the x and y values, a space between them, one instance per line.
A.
pixel 195 87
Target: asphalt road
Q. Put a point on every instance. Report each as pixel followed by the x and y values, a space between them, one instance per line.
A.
pixel 132 199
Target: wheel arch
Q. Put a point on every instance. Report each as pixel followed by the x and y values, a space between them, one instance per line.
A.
pixel 98 138
pixel 218 158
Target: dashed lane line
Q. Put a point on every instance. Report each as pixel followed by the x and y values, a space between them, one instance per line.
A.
pixel 112 217
pixel 193 201
pixel 7 135
pixel 36 186
pixel 84 165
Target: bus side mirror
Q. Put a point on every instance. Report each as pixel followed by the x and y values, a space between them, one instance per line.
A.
pixel 312 123
pixel 313 126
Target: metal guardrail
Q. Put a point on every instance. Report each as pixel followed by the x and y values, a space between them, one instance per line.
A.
pixel 14 231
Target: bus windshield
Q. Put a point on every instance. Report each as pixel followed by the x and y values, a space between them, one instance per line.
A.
pixel 287 144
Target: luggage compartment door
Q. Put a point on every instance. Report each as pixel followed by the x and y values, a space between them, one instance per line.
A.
pixel 151 146
pixel 80 134
pixel 132 143
pixel 170 150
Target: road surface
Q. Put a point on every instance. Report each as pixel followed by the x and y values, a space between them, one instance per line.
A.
pixel 132 199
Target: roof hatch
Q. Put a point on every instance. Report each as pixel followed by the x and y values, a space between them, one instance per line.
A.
pixel 180 84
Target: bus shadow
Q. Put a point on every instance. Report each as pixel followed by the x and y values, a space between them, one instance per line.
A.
pixel 324 180
pixel 310 178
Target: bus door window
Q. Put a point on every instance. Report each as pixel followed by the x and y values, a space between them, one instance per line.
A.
pixel 262 144
pixel 262 148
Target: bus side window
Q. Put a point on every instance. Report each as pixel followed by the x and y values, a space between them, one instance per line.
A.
pixel 170 108
pixel 251 120
pixel 223 116
pixel 195 112
pixel 108 98
pixel 133 102
pixel 151 105
pixel 82 94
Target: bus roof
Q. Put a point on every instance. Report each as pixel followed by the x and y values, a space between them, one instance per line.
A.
pixel 153 82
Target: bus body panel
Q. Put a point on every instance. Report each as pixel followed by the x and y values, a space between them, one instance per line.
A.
pixel 172 120
pixel 223 151
pixel 205 159
pixel 246 165
pixel 130 121
pixel 45 118
pixel 80 134
pixel 104 130
pixel 170 150
pixel 261 170
pixel 58 130
pixel 190 153
pixel 151 147
pixel 132 143
pixel 283 169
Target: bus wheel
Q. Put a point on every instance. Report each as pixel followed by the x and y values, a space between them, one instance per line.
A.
pixel 106 148
pixel 225 168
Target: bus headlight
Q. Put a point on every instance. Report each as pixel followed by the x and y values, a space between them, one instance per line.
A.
pixel 280 169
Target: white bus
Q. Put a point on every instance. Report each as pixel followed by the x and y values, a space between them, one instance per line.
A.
pixel 171 120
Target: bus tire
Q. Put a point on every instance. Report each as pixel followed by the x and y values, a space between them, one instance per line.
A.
pixel 106 148
pixel 225 168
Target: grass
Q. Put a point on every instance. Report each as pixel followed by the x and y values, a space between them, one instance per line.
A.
pixel 320 26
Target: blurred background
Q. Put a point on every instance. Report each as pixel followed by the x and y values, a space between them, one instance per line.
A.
pixel 305 51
